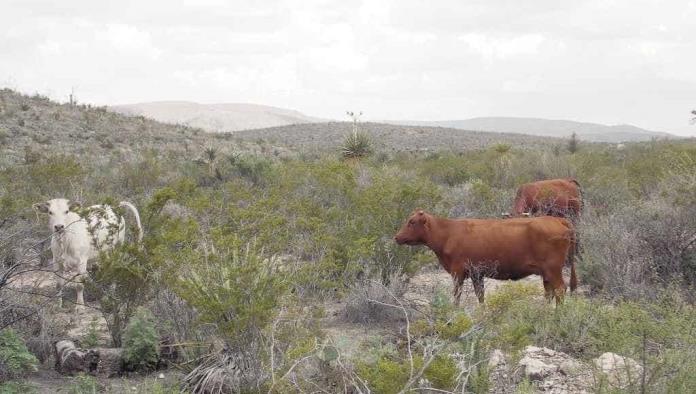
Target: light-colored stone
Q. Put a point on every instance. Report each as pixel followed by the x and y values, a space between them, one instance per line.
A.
pixel 570 367
pixel 620 371
pixel 548 370
pixel 496 358
pixel 535 369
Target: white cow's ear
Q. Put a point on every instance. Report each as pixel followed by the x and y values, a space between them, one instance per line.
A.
pixel 41 207
pixel 74 205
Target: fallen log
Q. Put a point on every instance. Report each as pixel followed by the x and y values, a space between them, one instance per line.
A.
pixel 109 362
pixel 106 362
pixel 69 358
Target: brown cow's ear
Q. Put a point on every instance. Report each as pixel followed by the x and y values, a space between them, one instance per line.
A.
pixel 420 212
pixel 41 207
pixel 74 205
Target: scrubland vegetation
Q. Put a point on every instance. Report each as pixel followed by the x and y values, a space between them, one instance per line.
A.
pixel 252 260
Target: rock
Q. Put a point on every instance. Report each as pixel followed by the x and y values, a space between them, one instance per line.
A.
pixel 535 369
pixel 570 367
pixel 496 358
pixel 551 371
pixel 620 371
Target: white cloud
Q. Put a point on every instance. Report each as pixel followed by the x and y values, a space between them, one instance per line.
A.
pixel 527 44
pixel 129 39
pixel 625 61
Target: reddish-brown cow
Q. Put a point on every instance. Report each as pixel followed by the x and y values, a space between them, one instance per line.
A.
pixel 496 248
pixel 554 197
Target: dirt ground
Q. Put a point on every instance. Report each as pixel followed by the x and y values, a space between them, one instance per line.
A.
pixel 347 337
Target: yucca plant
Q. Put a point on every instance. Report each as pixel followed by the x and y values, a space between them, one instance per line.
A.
pixel 357 144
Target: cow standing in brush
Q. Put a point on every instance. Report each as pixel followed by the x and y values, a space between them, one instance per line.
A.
pixel 496 248
pixel 552 197
pixel 76 240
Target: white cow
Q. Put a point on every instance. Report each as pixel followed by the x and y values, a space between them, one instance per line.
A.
pixel 76 240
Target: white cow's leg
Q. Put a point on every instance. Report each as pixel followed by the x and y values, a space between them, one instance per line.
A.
pixel 59 269
pixel 60 283
pixel 82 272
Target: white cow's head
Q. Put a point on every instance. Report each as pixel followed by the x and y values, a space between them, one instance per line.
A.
pixel 60 212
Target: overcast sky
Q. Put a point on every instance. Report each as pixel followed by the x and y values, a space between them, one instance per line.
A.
pixel 600 61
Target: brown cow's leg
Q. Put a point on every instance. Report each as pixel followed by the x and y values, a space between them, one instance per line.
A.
pixel 556 281
pixel 458 280
pixel 477 280
pixel 548 290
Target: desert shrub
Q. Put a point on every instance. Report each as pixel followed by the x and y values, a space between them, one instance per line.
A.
pixel 16 387
pixel 442 372
pixel 585 328
pixel 365 302
pixel 386 376
pixel 122 281
pixel 84 384
pixel 141 175
pixel 141 342
pixel 255 169
pixel 91 337
pixel 393 261
pixel 657 237
pixel 445 322
pixel 55 175
pixel 445 168
pixel 15 359
pixel 236 288
pixel 390 375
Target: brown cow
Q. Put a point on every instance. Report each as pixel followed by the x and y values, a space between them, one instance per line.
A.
pixel 496 248
pixel 554 197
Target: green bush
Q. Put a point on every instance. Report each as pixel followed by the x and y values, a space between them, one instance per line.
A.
pixel 586 328
pixel 386 376
pixel 141 342
pixel 236 288
pixel 91 338
pixel 15 358
pixel 84 384
pixel 15 387
pixel 442 372
pixel 123 280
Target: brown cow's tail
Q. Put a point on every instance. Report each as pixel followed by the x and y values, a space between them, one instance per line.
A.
pixel 573 253
pixel 573 276
pixel 582 198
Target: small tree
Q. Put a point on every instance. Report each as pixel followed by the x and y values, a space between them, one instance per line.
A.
pixel 573 143
pixel 122 281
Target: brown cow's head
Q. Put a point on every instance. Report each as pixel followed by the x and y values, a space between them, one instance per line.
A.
pixel 415 230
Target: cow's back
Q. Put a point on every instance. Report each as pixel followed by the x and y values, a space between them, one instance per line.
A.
pixel 105 227
pixel 556 197
pixel 514 248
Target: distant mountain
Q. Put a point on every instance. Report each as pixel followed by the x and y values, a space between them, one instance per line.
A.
pixel 547 127
pixel 216 117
